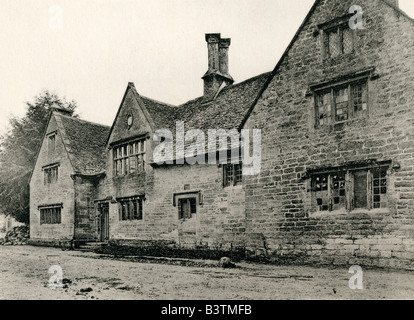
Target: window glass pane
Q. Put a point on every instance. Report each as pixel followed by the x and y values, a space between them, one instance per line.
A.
pixel 135 204
pixel 323 104
pixel 321 189
pixel 359 98
pixel 239 173
pixel 229 174
pixel 140 211
pixel 338 190
pixel 333 43
pixel 52 145
pixel 193 205
pixel 380 199
pixel 124 211
pixel 347 41
pixel 132 164
pixel 341 104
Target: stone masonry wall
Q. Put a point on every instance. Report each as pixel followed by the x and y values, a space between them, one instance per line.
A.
pixel 86 222
pixel 280 220
pixel 61 192
pixel 219 223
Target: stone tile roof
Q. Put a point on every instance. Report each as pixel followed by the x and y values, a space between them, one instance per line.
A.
pixel 85 143
pixel 226 111
pixel 161 113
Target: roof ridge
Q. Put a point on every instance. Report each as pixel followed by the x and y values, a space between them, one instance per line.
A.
pixel 159 102
pixel 246 81
pixel 228 87
pixel 81 120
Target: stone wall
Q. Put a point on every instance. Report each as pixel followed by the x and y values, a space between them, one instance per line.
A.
pixel 279 200
pixel 60 192
pixel 218 224
pixel 86 213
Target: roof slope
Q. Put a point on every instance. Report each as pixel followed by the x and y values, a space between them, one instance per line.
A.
pixel 226 111
pixel 161 113
pixel 85 143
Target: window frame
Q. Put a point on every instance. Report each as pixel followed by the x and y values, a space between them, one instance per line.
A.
pixel 339 30
pixel 131 209
pixel 192 202
pixel 123 154
pixel 236 174
pixel 51 137
pixel 349 189
pixel 50 214
pixel 350 85
pixel 51 174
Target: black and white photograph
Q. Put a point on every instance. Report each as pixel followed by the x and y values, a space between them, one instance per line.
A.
pixel 223 152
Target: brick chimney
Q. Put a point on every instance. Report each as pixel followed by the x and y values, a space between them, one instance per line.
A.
pixel 218 65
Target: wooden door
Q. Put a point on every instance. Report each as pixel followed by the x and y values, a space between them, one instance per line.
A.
pixel 104 223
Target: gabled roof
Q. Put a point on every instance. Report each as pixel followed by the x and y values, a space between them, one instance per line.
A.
pixel 226 111
pixel 84 142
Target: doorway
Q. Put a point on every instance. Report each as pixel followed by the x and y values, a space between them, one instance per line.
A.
pixel 104 222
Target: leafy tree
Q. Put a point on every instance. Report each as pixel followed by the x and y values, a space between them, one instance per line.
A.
pixel 18 150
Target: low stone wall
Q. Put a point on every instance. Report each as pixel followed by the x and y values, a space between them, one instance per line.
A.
pixel 161 248
pixel 67 244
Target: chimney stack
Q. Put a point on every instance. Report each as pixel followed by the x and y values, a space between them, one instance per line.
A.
pixel 56 108
pixel 218 65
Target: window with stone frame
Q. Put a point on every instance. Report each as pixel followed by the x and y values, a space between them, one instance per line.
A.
pixel 232 174
pixel 51 214
pixel 51 174
pixel 130 209
pixel 51 143
pixel 350 190
pixel 129 158
pixel 187 207
pixel 341 102
pixel 338 40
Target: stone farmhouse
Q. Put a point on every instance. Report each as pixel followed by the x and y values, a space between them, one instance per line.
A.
pixel 336 184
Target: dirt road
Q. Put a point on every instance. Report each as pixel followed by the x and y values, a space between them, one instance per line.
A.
pixel 24 275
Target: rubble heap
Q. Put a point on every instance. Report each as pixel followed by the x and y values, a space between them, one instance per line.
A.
pixel 17 236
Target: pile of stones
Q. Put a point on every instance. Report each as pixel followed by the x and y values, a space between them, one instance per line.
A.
pixel 16 237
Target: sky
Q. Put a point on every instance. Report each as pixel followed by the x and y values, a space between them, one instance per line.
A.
pixel 88 50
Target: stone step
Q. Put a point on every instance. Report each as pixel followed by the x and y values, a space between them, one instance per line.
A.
pixel 89 246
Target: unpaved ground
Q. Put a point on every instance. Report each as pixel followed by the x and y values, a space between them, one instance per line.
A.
pixel 24 275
